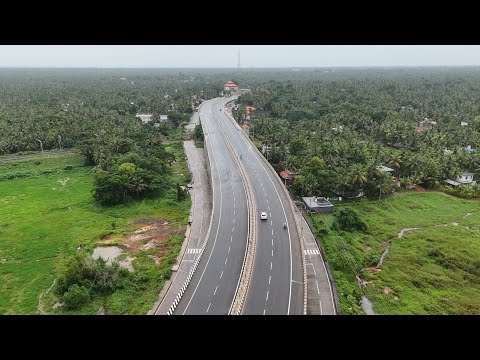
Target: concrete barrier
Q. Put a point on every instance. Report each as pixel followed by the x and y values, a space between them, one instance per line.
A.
pixel 248 261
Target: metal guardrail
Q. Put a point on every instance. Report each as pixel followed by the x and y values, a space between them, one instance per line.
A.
pixel 292 206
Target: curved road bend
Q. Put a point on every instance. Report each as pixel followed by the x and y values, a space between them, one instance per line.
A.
pixel 276 286
pixel 215 281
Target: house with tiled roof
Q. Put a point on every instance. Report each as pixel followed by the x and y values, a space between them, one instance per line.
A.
pixel 231 87
pixel 288 175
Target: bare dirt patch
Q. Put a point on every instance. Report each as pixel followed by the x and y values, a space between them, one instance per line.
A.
pixel 57 305
pixel 420 189
pixel 387 290
pixel 127 263
pixel 372 270
pixel 152 235
pixel 108 253
pixel 363 282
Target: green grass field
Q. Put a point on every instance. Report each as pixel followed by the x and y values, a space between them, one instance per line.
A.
pixel 430 271
pixel 45 216
pixel 38 167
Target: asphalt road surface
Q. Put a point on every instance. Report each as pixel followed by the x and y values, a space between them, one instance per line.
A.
pixel 276 286
pixel 213 286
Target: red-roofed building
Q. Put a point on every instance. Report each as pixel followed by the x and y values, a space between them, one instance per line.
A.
pixel 246 129
pixel 231 86
pixel 245 126
pixel 249 109
pixel 288 175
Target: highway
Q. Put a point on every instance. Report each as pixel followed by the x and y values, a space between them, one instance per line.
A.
pixel 276 287
pixel 214 283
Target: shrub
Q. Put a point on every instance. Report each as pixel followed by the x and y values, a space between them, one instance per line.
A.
pixel 464 191
pixel 76 297
pixel 68 167
pixel 348 220
pixel 71 273
pixel 94 275
pixel 105 278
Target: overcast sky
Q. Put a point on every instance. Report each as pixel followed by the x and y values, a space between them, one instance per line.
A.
pixel 226 55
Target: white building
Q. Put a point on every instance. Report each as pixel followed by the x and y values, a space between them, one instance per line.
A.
pixel 146 118
pixel 385 169
pixel 465 178
pixel 163 117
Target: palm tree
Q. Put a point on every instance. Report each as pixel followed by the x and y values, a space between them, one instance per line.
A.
pixel 373 171
pixel 384 186
pixel 356 177
pixel 396 163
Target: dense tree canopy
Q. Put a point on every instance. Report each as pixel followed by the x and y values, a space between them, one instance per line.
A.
pixel 95 112
pixel 355 120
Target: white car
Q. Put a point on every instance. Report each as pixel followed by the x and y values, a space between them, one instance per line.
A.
pixel 263 215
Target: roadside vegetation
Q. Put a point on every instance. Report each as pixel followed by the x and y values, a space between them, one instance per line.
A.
pixel 198 136
pixel 355 120
pixel 45 219
pixel 121 177
pixel 334 128
pixel 423 265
